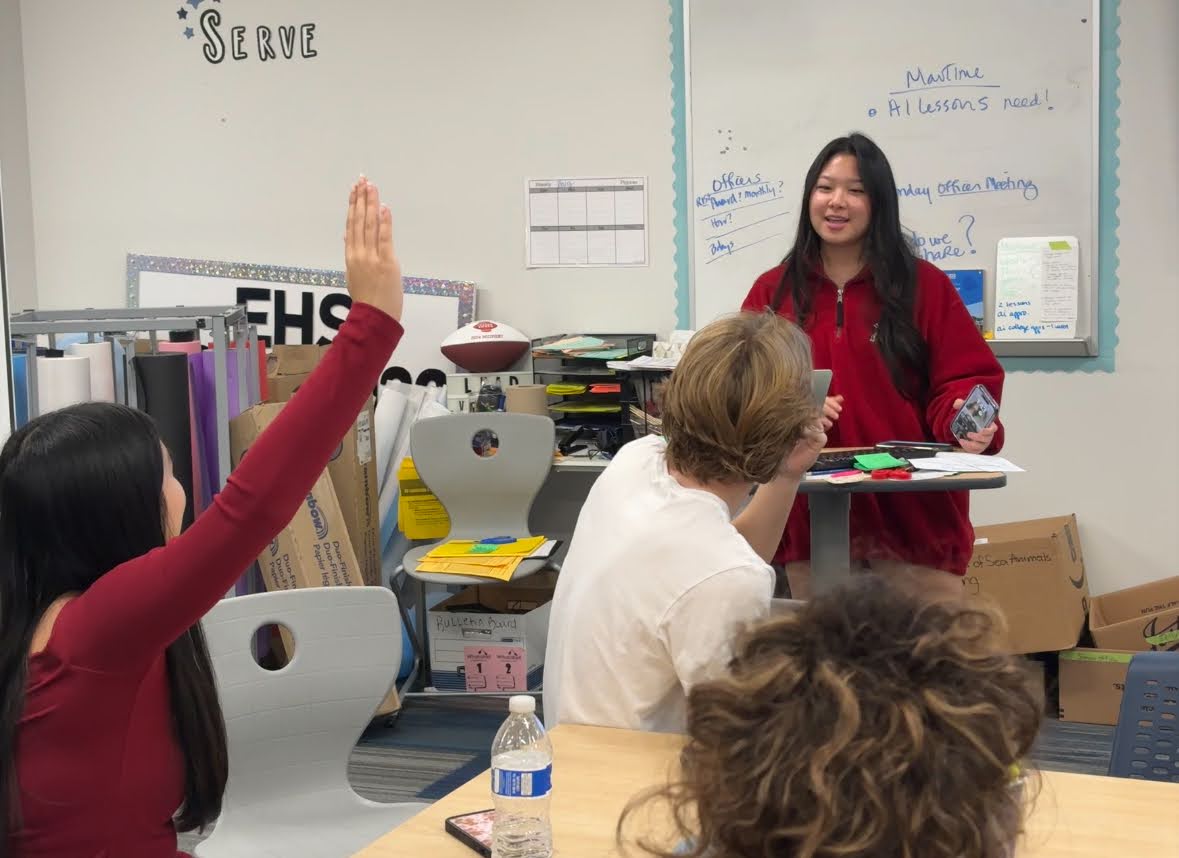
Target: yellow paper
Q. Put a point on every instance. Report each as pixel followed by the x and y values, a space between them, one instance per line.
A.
pixel 1058 245
pixel 586 408
pixel 565 389
pixel 463 548
pixel 420 515
pixel 500 570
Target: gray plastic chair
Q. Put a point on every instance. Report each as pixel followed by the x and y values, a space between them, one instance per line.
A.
pixel 484 496
pixel 1146 739
pixel 291 731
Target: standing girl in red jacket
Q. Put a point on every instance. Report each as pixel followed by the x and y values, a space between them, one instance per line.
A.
pixel 904 352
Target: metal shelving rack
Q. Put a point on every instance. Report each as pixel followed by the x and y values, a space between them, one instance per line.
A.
pixel 123 325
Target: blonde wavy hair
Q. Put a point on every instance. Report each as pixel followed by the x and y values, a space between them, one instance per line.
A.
pixel 870 724
pixel 739 399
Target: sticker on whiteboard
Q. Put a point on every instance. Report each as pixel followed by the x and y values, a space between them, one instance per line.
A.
pixel 495 668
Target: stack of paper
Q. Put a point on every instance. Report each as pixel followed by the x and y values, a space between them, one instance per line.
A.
pixel 645 362
pixel 573 346
pixel 497 561
pixel 968 463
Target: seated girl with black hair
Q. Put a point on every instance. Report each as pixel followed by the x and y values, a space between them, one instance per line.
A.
pixel 111 734
pixel 872 723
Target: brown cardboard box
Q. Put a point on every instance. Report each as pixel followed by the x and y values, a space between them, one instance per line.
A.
pixel 293 359
pixel 1035 572
pixel 1091 685
pixel 353 467
pixel 314 549
pixel 280 388
pixel 1140 618
pixel 354 475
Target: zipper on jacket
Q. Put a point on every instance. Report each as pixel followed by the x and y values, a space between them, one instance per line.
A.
pixel 838 310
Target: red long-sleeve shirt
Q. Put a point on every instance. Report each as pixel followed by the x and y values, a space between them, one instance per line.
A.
pixel 925 528
pixel 99 767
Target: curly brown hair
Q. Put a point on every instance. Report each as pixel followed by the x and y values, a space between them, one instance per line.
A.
pixel 872 723
pixel 739 399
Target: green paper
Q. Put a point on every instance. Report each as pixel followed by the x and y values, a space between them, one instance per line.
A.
pixel 878 461
pixel 1111 657
pixel 1059 245
pixel 482 549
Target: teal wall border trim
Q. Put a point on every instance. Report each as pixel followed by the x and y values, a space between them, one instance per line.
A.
pixel 679 152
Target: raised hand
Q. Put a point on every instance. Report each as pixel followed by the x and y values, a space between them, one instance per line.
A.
pixel 374 273
pixel 799 460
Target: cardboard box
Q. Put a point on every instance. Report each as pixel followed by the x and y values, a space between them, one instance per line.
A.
pixel 293 359
pixel 516 632
pixel 1091 685
pixel 1035 572
pixel 353 466
pixel 353 469
pixel 1140 618
pixel 280 388
pixel 314 549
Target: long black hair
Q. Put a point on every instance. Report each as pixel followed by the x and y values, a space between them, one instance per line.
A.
pixel 887 253
pixel 81 492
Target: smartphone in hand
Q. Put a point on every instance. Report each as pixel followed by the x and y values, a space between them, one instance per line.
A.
pixel 977 413
pixel 473 830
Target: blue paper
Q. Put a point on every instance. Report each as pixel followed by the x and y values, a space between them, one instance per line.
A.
pixel 969 283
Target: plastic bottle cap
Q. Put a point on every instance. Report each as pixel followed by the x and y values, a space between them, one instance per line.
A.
pixel 522 704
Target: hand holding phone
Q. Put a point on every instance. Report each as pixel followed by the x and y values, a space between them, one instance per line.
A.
pixel 974 424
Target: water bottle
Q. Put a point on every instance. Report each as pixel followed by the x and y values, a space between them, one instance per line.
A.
pixel 522 783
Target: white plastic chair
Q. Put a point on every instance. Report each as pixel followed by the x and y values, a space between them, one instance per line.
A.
pixel 484 496
pixel 291 731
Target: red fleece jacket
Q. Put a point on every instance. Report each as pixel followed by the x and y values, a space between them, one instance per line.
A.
pixel 925 528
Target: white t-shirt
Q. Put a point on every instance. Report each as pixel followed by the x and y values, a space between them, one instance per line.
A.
pixel 656 584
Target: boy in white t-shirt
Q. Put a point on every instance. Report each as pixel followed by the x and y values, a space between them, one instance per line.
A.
pixel 663 571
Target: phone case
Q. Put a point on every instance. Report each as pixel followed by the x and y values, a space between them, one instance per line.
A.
pixel 473 830
pixel 970 418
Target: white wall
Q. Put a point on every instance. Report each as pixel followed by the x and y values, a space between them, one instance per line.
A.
pixel 137 145
pixel 1073 431
pixel 15 187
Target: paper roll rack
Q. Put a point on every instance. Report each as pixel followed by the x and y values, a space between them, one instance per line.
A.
pixel 124 325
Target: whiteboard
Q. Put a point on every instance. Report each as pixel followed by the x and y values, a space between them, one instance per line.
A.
pixel 302 305
pixel 986 111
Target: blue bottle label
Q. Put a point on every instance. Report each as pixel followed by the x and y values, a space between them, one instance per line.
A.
pixel 536 783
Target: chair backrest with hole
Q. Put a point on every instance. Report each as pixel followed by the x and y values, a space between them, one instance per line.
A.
pixel 1146 740
pixel 292 730
pixel 487 491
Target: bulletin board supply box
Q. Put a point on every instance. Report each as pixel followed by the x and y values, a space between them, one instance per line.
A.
pixel 517 625
pixel 1091 684
pixel 1140 618
pixel 314 549
pixel 1034 572
pixel 353 466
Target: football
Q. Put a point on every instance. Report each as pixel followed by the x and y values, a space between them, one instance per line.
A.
pixel 485 346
